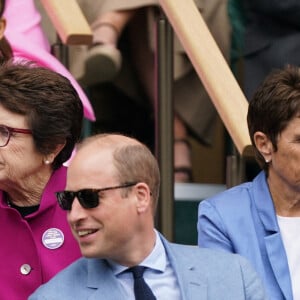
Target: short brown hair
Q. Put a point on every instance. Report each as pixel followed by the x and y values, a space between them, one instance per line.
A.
pixel 136 163
pixel 133 161
pixel 49 102
pixel 273 105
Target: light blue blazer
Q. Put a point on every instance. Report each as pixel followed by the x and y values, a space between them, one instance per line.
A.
pixel 202 274
pixel 243 220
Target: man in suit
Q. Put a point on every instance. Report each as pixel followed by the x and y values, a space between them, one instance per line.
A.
pixel 111 197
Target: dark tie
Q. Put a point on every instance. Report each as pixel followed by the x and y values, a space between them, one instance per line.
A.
pixel 141 289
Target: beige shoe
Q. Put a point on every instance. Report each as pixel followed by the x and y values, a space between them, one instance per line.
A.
pixel 102 64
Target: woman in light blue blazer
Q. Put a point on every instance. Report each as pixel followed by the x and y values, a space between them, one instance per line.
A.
pixel 261 219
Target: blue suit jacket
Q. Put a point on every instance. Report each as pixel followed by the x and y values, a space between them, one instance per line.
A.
pixel 243 220
pixel 202 274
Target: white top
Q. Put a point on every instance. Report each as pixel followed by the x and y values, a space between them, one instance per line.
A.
pixel 290 228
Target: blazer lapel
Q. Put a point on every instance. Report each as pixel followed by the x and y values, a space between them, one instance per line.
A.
pixel 192 284
pixel 271 233
pixel 279 263
pixel 102 282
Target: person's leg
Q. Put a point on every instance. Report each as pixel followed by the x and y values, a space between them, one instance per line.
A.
pixel 23 18
pixel 103 60
pixel 108 27
pixel 143 62
pixel 182 152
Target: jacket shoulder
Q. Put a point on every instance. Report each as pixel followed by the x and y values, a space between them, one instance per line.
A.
pixel 63 283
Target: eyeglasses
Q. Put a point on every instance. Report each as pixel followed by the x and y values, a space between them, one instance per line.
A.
pixel 5 133
pixel 88 198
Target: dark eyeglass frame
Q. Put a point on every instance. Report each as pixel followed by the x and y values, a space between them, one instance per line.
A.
pixel 88 198
pixel 10 130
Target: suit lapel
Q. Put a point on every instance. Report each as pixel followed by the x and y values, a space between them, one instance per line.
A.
pixel 102 282
pixel 104 285
pixel 279 263
pixel 192 284
pixel 271 233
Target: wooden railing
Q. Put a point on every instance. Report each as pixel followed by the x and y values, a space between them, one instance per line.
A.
pixel 69 21
pixel 212 69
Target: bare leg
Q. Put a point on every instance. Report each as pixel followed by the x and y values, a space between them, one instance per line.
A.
pixel 108 27
pixel 182 152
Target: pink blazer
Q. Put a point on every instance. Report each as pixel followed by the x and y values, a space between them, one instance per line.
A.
pixel 36 247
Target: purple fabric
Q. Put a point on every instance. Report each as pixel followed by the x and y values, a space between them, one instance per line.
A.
pixel 22 243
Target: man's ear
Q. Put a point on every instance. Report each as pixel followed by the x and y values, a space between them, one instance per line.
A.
pixel 143 195
pixel 263 145
pixel 2 27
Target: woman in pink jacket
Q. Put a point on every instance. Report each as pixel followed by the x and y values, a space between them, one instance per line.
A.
pixel 40 121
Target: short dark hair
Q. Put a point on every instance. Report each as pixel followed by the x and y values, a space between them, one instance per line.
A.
pixel 48 101
pixel 273 105
pixel 136 163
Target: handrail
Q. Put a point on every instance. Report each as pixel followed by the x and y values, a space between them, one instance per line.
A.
pixel 212 69
pixel 69 21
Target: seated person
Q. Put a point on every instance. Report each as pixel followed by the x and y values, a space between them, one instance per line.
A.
pixel 123 59
pixel 111 197
pixel 41 121
pixel 260 219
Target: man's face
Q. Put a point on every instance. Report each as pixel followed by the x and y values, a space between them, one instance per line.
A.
pixel 108 230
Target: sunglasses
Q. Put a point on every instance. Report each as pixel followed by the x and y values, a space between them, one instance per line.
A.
pixel 88 198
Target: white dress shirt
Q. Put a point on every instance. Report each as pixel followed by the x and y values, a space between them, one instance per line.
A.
pixel 159 274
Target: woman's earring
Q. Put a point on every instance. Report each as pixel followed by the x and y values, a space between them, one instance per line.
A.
pixel 47 162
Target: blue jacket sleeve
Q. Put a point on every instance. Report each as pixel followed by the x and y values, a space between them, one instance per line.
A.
pixel 211 230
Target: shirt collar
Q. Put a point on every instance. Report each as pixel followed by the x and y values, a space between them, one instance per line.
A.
pixel 156 260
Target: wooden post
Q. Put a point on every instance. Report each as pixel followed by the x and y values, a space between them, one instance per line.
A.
pixel 164 139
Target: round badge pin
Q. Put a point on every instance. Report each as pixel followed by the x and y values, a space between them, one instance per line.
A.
pixel 53 238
